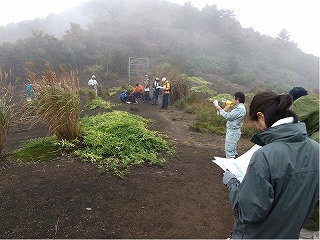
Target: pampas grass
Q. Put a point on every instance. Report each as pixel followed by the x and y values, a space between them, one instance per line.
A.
pixel 57 102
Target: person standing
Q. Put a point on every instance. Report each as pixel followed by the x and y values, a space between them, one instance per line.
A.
pixel 281 184
pixel 155 91
pixel 307 108
pixel 29 92
pixel 166 93
pixel 146 84
pixel 93 84
pixel 235 120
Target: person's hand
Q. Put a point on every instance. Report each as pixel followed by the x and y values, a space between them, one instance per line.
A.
pixel 215 102
pixel 227 176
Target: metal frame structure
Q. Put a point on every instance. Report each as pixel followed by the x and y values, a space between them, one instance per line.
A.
pixel 137 68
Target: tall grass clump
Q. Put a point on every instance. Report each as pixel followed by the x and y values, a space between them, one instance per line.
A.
pixel 6 106
pixel 57 102
pixel 180 88
pixel 116 140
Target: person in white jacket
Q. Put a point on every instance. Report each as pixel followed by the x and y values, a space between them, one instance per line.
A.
pixel 93 84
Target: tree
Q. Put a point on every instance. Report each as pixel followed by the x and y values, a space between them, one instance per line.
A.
pixel 283 36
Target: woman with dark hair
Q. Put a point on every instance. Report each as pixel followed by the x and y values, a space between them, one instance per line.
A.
pixel 281 185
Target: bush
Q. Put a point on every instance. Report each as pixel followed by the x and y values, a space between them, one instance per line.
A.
pixel 57 102
pixel 117 140
pixel 207 120
pixel 180 104
pixel 180 88
pixel 98 102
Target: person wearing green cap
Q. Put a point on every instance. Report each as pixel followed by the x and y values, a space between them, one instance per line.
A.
pixel 307 108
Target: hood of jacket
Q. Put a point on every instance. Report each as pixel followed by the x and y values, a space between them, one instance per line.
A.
pixel 289 132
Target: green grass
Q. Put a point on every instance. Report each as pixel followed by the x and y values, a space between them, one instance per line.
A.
pixel 37 150
pixel 98 102
pixel 112 141
pixel 117 140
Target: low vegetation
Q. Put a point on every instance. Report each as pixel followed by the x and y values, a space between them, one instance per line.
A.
pixel 117 140
pixel 112 141
pixel 207 119
pixel 38 150
pixel 98 102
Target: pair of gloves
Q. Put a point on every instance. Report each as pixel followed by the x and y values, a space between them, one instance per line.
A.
pixel 227 176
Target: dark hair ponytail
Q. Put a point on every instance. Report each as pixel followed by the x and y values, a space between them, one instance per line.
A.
pixel 273 106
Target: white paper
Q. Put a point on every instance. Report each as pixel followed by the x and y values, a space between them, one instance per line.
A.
pixel 237 166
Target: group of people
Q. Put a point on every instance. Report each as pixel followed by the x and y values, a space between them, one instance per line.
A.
pixel 279 195
pixel 144 92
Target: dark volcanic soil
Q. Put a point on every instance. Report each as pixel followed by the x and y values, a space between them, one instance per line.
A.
pixel 66 198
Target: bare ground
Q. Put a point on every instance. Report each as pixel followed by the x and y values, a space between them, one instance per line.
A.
pixel 66 198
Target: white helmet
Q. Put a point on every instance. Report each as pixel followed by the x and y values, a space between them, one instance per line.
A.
pixel 93 76
pixel 164 79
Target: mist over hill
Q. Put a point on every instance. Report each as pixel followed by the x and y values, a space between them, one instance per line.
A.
pixel 100 36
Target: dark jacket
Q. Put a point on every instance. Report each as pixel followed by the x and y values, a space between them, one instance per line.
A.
pixel 281 185
pixel 307 109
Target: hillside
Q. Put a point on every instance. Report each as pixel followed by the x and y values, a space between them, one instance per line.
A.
pixel 99 37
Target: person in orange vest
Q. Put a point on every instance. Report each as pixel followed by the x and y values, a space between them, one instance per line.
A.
pixel 166 93
pixel 138 91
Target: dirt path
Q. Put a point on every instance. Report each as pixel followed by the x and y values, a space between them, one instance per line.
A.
pixel 66 198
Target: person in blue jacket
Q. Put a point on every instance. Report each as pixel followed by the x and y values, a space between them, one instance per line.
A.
pixel 127 97
pixel 281 185
pixel 29 92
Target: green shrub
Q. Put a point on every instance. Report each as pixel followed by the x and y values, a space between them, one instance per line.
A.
pixel 198 81
pixel 180 104
pixel 207 120
pixel 203 89
pixel 113 141
pixel 98 102
pixel 117 140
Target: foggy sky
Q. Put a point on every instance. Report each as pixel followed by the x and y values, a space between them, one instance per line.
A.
pixel 299 18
